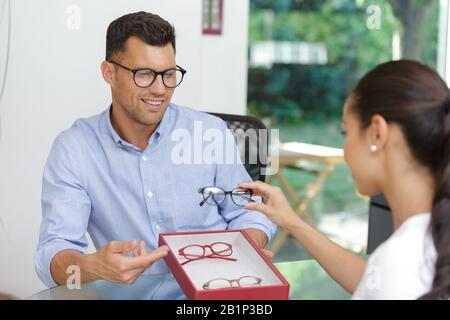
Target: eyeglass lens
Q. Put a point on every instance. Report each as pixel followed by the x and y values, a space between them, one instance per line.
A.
pixel 215 196
pixel 195 251
pixel 145 77
pixel 247 281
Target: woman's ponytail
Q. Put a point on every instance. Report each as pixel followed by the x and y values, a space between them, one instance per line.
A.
pixel 440 218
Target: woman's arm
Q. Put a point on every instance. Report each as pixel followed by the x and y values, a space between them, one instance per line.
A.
pixel 343 266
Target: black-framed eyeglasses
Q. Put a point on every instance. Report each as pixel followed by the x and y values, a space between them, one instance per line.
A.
pixel 215 196
pixel 144 77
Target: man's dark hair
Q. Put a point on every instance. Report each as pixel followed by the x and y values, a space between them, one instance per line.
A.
pixel 148 27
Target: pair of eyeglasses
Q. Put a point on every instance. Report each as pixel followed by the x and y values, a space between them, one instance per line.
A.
pixel 219 250
pixel 242 282
pixel 215 196
pixel 144 77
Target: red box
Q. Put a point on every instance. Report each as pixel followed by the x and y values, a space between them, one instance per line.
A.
pixel 250 261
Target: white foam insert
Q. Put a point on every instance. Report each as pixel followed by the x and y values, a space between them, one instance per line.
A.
pixel 249 262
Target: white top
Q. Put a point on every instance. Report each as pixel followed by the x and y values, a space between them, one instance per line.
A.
pixel 403 266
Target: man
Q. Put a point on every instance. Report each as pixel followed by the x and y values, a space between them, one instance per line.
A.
pixel 114 174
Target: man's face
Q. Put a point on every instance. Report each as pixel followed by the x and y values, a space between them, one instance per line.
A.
pixel 145 106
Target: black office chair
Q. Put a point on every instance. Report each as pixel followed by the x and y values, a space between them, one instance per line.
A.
pixel 250 147
pixel 380 222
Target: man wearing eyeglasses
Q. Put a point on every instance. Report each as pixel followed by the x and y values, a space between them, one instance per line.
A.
pixel 113 176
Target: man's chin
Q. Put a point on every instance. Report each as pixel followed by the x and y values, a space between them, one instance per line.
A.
pixel 149 122
pixel 154 118
pixel 152 108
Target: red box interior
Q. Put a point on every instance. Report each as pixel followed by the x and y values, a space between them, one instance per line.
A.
pixel 251 260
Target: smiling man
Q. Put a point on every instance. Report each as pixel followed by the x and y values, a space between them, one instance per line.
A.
pixel 112 175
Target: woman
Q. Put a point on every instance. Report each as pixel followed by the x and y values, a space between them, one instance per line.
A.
pixel 397 142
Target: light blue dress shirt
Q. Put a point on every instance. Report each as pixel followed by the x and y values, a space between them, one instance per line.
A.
pixel 95 181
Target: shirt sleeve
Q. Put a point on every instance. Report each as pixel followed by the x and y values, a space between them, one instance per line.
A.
pixel 228 176
pixel 66 206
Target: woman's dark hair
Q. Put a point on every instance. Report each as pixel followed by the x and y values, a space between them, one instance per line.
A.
pixel 148 27
pixel 416 98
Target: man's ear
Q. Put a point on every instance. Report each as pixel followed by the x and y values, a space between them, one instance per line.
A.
pixel 108 72
pixel 378 131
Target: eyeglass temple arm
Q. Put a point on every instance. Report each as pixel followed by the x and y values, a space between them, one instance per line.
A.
pixel 246 198
pixel 214 257
pixel 204 200
pixel 224 258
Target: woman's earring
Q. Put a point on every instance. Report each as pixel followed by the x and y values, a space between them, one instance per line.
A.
pixel 373 148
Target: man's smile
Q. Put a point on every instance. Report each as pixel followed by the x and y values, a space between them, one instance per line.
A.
pixel 153 104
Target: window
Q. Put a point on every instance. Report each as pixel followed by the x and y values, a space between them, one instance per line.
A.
pixel 306 56
pixel 212 16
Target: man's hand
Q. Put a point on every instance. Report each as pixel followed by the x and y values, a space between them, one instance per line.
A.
pixel 258 236
pixel 269 254
pixel 110 262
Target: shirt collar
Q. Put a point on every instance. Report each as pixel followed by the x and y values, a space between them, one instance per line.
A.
pixel 160 132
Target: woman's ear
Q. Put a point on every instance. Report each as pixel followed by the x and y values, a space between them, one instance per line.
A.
pixel 107 72
pixel 378 132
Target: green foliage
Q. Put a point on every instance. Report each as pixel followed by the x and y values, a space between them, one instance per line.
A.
pixel 291 93
pixel 338 193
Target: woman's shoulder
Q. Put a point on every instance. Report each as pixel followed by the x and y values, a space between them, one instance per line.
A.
pixel 403 266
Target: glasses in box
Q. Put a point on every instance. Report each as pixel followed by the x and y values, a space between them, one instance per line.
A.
pixel 218 250
pixel 242 282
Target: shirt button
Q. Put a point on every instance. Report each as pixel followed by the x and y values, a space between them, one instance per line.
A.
pixel 158 227
pixel 149 194
pixel 144 158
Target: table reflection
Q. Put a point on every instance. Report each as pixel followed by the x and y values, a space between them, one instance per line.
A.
pixel 147 287
pixel 307 280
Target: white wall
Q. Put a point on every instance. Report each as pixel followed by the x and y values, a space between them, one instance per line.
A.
pixel 54 78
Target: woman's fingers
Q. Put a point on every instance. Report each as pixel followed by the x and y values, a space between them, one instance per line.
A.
pixel 259 188
pixel 261 207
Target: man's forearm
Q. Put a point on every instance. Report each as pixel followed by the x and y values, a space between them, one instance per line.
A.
pixel 66 258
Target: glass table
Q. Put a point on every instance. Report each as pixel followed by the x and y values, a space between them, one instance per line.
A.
pixel 307 281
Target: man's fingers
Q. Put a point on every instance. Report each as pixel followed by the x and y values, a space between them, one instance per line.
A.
pixel 140 249
pixel 269 254
pixel 144 261
pixel 123 247
pixel 157 254
pixel 143 249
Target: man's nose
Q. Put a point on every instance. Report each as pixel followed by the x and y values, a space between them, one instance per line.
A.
pixel 158 85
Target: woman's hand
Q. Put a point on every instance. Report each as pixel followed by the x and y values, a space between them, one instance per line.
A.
pixel 276 207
